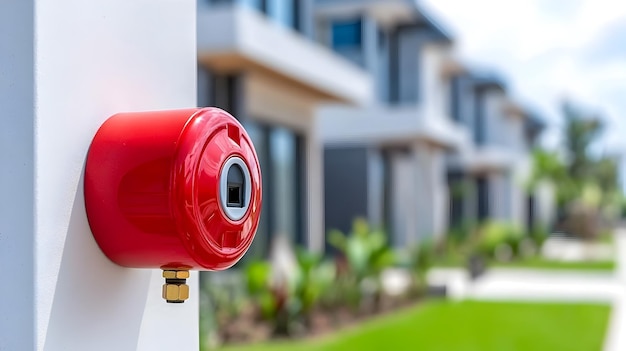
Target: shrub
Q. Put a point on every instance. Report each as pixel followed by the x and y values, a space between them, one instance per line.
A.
pixel 365 253
pixel 497 236
pixel 288 304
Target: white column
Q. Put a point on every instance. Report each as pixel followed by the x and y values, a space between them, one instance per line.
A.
pixel 405 203
pixel 434 90
pixel 78 62
pixel 315 188
pixel 431 194
pixel 441 196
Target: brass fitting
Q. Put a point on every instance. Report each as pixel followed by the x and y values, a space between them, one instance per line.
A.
pixel 175 289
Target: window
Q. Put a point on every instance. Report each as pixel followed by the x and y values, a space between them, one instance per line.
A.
pixel 482 187
pixel 255 4
pixel 479 117
pixel 455 97
pixel 347 34
pixel 456 193
pixel 284 12
pixel 281 155
pixel 283 162
pixel 259 246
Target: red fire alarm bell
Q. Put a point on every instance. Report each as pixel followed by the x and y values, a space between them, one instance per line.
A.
pixel 175 190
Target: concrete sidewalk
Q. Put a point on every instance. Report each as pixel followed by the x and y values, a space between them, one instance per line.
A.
pixel 529 285
pixel 616 335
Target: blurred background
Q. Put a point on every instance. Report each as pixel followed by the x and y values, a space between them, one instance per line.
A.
pixel 437 175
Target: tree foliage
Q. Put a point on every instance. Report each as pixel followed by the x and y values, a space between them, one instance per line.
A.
pixel 580 176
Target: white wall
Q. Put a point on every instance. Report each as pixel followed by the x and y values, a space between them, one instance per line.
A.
pixel 419 194
pixel 434 88
pixel 432 193
pixel 404 206
pixel 92 59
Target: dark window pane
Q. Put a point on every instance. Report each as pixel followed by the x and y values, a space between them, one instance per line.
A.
pixel 281 155
pixel 482 186
pixel 259 136
pixel 456 185
pixel 479 118
pixel 455 97
pixel 347 34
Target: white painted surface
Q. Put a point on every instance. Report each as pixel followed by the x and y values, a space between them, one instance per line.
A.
pixel 545 204
pixel 404 183
pixel 434 93
pixel 431 194
pixel 246 34
pixel 384 124
pixel 92 59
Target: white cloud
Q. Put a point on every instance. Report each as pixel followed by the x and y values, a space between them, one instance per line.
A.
pixel 549 49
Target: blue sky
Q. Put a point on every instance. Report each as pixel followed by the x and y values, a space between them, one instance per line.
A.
pixel 549 50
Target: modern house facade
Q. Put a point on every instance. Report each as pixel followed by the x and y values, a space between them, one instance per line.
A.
pixel 488 178
pixel 387 160
pixel 257 59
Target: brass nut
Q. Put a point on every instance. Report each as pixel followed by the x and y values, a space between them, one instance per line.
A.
pixel 182 274
pixel 175 292
pixel 175 274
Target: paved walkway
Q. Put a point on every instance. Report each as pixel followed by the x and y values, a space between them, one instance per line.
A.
pixel 616 335
pixel 542 285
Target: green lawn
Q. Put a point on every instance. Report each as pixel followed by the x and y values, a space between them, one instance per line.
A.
pixel 467 326
pixel 538 263
pixel 541 263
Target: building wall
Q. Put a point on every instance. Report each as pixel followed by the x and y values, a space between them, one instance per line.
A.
pixel 434 87
pixel 346 187
pixel 277 102
pixel 432 191
pixel 545 208
pixel 405 183
pixel 75 64
pixel 406 61
pixel 304 9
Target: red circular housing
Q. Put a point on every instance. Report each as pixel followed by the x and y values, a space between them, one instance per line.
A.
pixel 154 195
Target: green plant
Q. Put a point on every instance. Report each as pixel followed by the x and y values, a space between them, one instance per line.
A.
pixel 266 298
pixel 313 278
pixel 289 303
pixel 366 254
pixel 495 235
pixel 223 298
pixel 586 185
pixel 539 234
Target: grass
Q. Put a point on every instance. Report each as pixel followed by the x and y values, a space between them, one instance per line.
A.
pixel 538 263
pixel 467 326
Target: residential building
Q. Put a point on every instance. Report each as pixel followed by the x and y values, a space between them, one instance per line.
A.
pixel 386 160
pixel 488 177
pixel 257 60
